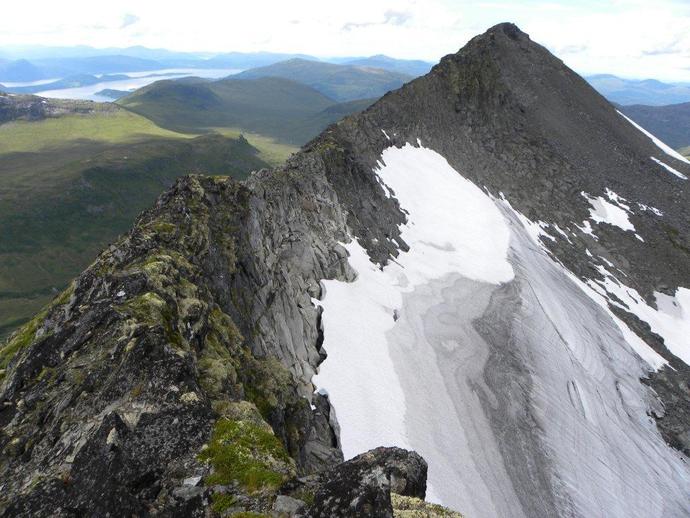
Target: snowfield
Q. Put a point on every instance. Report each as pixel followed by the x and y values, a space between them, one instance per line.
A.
pixel 512 377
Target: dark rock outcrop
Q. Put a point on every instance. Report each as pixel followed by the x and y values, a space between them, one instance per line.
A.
pixel 363 486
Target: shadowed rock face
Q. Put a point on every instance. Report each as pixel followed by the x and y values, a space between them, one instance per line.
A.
pixel 200 321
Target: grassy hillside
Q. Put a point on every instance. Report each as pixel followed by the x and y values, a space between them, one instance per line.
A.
pixel 71 184
pixel 117 126
pixel 670 123
pixel 280 113
pixel 339 82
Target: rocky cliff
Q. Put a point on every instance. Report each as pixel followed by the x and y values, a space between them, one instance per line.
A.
pixel 174 376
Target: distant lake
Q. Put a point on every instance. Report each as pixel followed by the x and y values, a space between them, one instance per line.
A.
pixel 11 84
pixel 136 80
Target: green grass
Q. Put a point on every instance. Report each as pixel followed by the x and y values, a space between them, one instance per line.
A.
pixel 685 151
pixel 243 452
pixel 119 126
pixel 27 333
pixel 222 502
pixel 410 507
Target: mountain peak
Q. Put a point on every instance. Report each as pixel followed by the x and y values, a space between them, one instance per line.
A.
pixel 509 29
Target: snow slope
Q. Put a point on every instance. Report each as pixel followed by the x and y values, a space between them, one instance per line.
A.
pixel 508 374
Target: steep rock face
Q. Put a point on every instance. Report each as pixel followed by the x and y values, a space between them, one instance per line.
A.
pixel 137 389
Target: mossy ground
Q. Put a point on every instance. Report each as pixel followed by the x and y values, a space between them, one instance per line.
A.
pixel 222 502
pixel 243 452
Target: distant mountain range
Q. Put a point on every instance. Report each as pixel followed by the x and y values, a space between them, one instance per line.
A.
pixel 339 82
pixel 23 70
pixel 40 63
pixel 634 91
pixel 409 67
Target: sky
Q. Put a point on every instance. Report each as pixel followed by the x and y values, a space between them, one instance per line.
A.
pixel 629 38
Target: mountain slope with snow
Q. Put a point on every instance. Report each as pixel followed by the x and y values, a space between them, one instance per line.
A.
pixel 488 265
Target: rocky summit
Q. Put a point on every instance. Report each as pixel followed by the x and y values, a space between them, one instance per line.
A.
pixel 489 266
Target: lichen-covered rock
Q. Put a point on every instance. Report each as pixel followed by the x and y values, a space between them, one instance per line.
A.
pixel 410 507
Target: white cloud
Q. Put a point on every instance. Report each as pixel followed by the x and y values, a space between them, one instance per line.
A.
pixel 129 19
pixel 636 38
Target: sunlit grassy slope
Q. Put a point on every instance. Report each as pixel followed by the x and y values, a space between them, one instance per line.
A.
pixel 118 126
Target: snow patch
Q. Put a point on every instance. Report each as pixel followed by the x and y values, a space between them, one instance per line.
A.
pixel 543 226
pixel 618 200
pixel 671 319
pixel 669 168
pixel 586 228
pixel 602 211
pixel 649 208
pixel 562 232
pixel 455 229
pixel 599 295
pixel 664 147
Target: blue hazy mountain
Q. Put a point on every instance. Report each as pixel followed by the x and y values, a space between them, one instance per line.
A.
pixel 412 67
pixel 339 82
pixel 639 91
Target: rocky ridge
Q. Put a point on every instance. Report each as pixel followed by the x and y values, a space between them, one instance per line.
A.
pixel 174 375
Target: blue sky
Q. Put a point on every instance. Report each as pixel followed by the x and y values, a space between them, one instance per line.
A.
pixel 632 38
